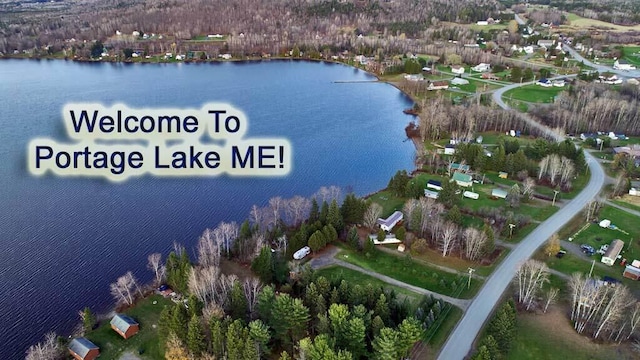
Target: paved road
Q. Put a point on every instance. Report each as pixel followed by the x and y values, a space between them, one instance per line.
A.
pixel 460 341
pixel 519 20
pixel 600 68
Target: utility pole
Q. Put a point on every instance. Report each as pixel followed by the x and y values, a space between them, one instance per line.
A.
pixel 511 226
pixel 471 271
pixel 555 192
pixel 592 264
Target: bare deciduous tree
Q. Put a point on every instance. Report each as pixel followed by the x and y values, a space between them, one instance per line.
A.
pixel 297 209
pixel 154 263
pixel 550 296
pixel 252 287
pixel 48 349
pixel 371 215
pixel 528 186
pixel 125 288
pixel 448 238
pixel 474 241
pixel 208 247
pixel 530 278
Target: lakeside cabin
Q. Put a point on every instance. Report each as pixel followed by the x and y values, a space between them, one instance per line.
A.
pixel 435 185
pixel 611 255
pixel 124 325
pixel 388 223
pixel 461 179
pixel 83 349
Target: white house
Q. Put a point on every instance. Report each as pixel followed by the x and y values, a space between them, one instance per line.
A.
pixel 528 49
pixel 499 193
pixel 457 69
pixel 437 185
pixel 634 192
pixel 430 194
pixel 544 82
pixel 449 149
pixel 482 23
pixel 482 67
pixel 388 223
pixel 461 179
pixel 547 44
pixel 225 56
pixel 623 65
pixel 438 85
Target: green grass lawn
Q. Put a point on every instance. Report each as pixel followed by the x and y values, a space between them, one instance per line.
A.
pixel 334 273
pixel 389 202
pixel 534 93
pixel 410 272
pixel 632 55
pixel 537 338
pixel 627 205
pixel 147 314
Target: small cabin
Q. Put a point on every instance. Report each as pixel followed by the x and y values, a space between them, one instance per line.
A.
pixel 431 194
pixel 433 184
pixel 463 180
pixel 124 325
pixel 83 349
pixel 503 175
pixel 499 193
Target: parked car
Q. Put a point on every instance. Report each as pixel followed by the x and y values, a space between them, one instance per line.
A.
pixel 587 249
pixel 163 287
pixel 300 254
pixel 560 254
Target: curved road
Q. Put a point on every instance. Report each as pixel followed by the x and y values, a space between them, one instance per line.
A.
pixel 600 68
pixel 460 341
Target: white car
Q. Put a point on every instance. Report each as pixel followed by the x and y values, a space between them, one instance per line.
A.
pixel 300 254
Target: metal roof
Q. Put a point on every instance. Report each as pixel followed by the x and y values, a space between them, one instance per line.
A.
pixel 462 177
pixel 82 346
pixel 122 322
pixel 391 220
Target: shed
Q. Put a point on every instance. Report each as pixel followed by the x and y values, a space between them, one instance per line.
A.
pixel 449 149
pixel 499 193
pixel 436 185
pixel 461 179
pixel 83 349
pixel 631 272
pixel 431 194
pixel 503 175
pixel 124 325
pixel 388 223
pixel 614 249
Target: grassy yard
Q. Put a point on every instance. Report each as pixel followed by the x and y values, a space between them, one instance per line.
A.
pixel 147 314
pixel 533 93
pixel 580 23
pixel 334 273
pixel 625 202
pixel 410 272
pixel 551 336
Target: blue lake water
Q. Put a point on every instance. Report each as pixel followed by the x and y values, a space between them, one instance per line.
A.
pixel 64 239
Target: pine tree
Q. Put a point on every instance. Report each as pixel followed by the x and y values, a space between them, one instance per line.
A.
pixel 338 318
pixel 289 318
pixel 195 306
pixel 314 213
pixel 179 320
pixel 502 327
pixel 409 332
pixel 483 354
pixel 493 349
pixel 334 217
pixel 401 233
pixel 324 212
pixel 88 319
pixel 317 241
pixel 384 345
pixel 376 325
pixel 330 233
pixel 490 244
pixel 352 238
pixel 195 338
pixel 263 265
pixel 217 337
pixel 237 302
pixel 447 195
pixel 354 335
pixel 259 333
pixel 236 338
pixel 266 298
pixel 251 350
pixel 382 308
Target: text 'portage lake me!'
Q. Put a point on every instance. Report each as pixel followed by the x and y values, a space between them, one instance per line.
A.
pixel 118 142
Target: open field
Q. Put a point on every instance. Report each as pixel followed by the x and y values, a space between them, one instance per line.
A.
pixel 580 23
pixel 147 314
pixel 410 272
pixel 551 336
pixel 630 202
pixel 534 93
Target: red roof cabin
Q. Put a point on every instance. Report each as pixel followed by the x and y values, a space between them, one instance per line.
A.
pixel 83 349
pixel 124 325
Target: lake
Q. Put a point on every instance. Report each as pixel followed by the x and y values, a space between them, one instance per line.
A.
pixel 65 239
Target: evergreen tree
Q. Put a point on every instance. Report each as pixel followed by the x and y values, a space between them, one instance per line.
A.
pixel 401 233
pixel 490 244
pixel 317 241
pixel 334 216
pixel 285 356
pixel 174 348
pixel 251 350
pixel 330 233
pixel 353 209
pixel 454 215
pixel 482 354
pixel 493 349
pixel 289 318
pixel 381 236
pixel 266 298
pixel 502 326
pixel 195 338
pixel 354 337
pixel 409 332
pixel 178 269
pixel 237 302
pixel 321 348
pixel 447 195
pixel 324 212
pixel 236 338
pixel 179 320
pixel 88 319
pixel 314 214
pixel 217 337
pixel 384 345
pixel 382 308
pixel 195 306
pixel 263 265
pixel 352 238
pixel 338 318
pixel 259 333
pixel 245 230
pixel 164 323
pixel 376 325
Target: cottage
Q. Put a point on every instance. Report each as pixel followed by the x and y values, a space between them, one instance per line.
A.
pixel 438 85
pixel 544 82
pixel 499 193
pixel 124 325
pixel 482 67
pixel 388 223
pixel 611 255
pixel 436 185
pixel 83 349
pixel 431 194
pixel 449 149
pixel 457 69
pixel 558 83
pixel 547 44
pixel 459 81
pixel 461 179
pixel 632 271
pixel 621 64
pixel 489 76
